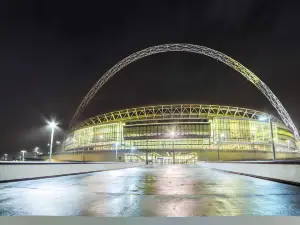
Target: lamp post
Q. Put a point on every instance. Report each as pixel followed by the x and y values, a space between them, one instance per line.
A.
pixel 36 150
pixel 173 134
pixel 52 125
pixel 131 149
pixel 117 144
pixel 254 138
pixel 268 119
pixel 219 141
pixel 23 153
pixel 58 144
pixel 99 141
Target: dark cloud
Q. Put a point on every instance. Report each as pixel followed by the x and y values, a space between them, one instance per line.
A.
pixel 52 52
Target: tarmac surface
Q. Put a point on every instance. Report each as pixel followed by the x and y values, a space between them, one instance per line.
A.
pixel 152 190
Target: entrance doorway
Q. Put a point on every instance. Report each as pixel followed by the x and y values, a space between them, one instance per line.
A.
pixel 163 157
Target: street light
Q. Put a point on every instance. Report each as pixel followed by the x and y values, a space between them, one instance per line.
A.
pixel 219 141
pixel 52 125
pixel 23 152
pixel 288 142
pixel 36 150
pixel 173 134
pixel 58 144
pixel 117 144
pixel 132 149
pixel 268 119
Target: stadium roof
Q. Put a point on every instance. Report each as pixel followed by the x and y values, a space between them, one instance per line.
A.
pixel 189 111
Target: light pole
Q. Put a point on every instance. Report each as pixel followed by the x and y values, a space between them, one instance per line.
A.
pixel 132 149
pixel 23 152
pixel 288 142
pixel 264 118
pixel 52 125
pixel 254 138
pixel 36 150
pixel 173 134
pixel 58 144
pixel 117 144
pixel 219 141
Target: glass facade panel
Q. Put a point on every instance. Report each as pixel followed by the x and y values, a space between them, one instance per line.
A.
pixel 163 131
pixel 101 137
pixel 223 133
pixel 241 130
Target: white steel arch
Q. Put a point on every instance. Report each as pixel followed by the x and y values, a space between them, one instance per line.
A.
pixel 181 47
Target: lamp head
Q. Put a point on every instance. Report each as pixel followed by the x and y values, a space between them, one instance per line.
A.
pixel 263 118
pixel 172 133
pixel 52 124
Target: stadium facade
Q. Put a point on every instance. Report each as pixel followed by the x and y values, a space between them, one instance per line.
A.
pixel 181 133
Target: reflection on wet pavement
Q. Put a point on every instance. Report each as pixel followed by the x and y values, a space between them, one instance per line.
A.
pixel 154 190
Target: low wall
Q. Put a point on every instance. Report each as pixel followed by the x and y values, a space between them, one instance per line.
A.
pixel 110 156
pixel 237 155
pixel 279 172
pixel 31 170
pixel 88 156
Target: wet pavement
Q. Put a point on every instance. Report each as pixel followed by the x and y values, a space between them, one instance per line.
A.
pixel 154 190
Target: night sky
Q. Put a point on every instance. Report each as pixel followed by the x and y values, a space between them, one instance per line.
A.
pixel 52 52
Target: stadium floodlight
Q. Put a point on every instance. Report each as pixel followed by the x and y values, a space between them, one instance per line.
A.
pixel 52 125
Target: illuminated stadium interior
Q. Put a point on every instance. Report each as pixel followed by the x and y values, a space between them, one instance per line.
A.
pixel 193 131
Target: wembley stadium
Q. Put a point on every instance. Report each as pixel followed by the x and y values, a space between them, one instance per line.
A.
pixel 180 134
